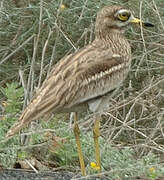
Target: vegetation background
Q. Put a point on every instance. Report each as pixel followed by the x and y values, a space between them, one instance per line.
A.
pixel 34 35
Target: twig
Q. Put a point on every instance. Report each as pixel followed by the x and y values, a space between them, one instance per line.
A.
pixel 143 91
pixel 65 36
pixel 157 11
pixel 43 55
pixel 31 166
pixel 17 49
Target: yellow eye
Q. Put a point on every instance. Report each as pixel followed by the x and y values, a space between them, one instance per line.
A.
pixel 123 17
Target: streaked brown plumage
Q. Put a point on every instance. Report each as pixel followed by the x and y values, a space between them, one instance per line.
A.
pixel 85 77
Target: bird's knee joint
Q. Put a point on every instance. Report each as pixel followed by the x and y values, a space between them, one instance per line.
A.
pixel 96 133
pixel 76 129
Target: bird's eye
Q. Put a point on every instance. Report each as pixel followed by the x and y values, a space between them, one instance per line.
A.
pixel 123 16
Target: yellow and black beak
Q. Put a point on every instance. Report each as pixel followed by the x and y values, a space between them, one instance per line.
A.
pixel 138 21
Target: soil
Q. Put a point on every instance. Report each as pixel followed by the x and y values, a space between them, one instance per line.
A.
pixel 20 174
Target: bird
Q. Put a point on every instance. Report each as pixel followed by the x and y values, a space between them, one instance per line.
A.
pixel 84 80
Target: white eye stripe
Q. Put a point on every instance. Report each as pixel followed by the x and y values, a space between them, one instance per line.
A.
pixel 121 11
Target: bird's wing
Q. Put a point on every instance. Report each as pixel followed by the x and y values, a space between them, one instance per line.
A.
pixel 75 79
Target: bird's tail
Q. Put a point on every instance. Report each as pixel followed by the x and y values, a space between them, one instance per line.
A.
pixel 14 129
pixel 29 114
pixel 22 122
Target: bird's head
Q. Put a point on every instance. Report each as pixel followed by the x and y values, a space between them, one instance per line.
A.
pixel 117 18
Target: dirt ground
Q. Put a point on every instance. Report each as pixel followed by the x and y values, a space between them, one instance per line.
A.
pixel 20 174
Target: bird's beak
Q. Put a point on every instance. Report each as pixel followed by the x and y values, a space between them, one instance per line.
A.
pixel 138 21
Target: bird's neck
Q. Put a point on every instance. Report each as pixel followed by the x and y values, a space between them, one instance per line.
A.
pixel 115 40
pixel 106 34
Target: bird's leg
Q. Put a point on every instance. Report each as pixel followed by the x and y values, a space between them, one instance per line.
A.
pixel 79 150
pixel 96 134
